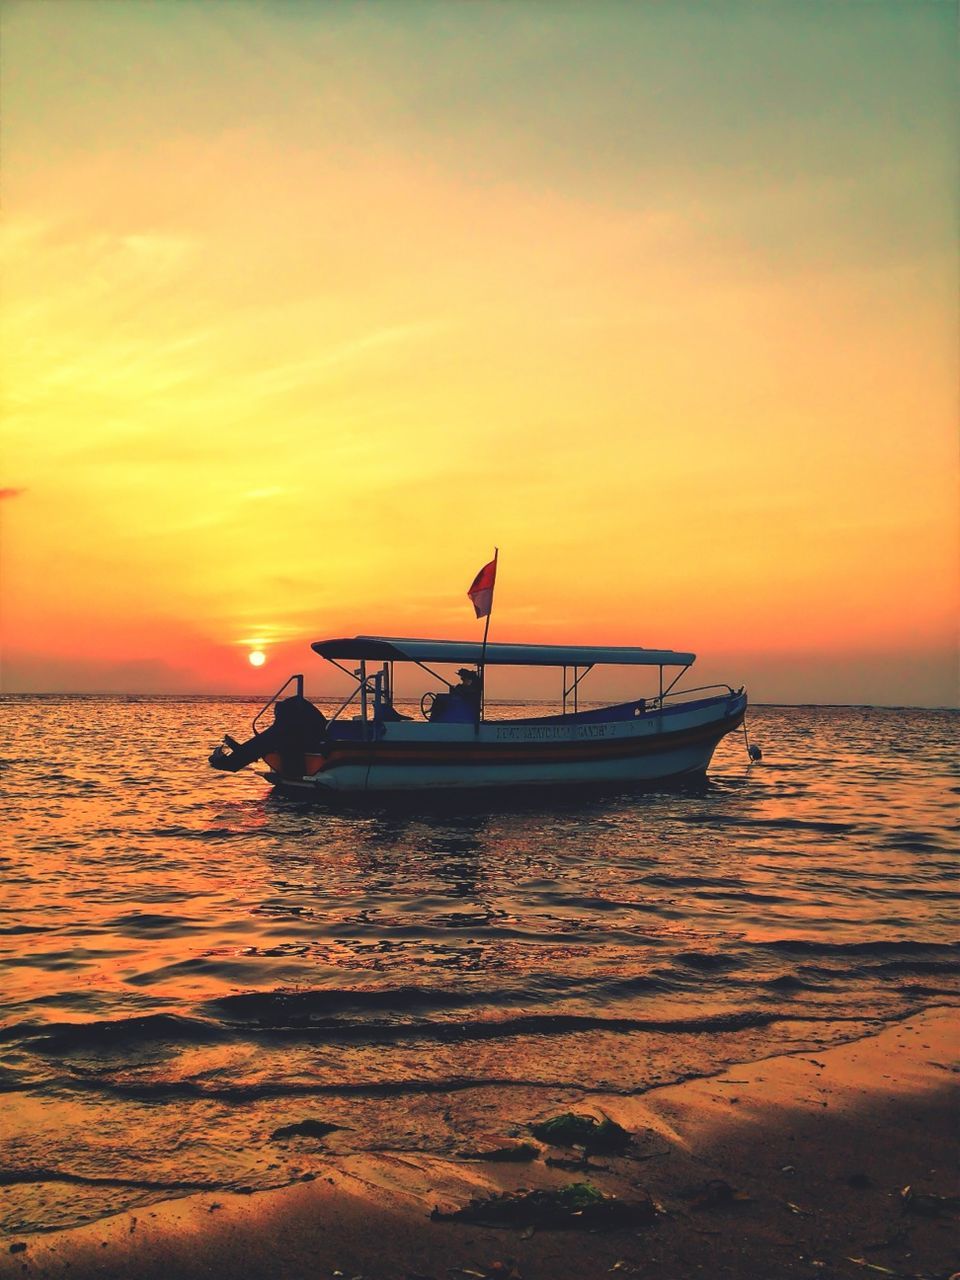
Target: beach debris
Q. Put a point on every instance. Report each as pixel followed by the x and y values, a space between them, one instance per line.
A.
pixel 795 1208
pixel 492 1271
pixel 305 1129
pixel 578 1164
pixel 19 1247
pixel 593 1135
pixel 577 1206
pixel 513 1153
pixel 714 1194
pixel 872 1266
pixel 926 1204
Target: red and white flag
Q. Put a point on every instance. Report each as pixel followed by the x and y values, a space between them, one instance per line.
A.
pixel 481 589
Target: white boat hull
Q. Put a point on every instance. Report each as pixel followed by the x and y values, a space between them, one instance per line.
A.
pixel 410 756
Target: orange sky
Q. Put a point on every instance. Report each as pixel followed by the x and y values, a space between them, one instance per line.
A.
pixel 306 307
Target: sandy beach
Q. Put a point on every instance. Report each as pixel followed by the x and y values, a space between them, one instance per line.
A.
pixel 794 1165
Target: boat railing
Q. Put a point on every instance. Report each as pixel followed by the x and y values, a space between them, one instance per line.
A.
pixel 267 705
pixel 652 704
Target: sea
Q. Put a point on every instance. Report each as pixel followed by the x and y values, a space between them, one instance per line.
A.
pixel 190 963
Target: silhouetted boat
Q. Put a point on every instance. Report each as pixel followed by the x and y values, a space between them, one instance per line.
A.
pixel 454 745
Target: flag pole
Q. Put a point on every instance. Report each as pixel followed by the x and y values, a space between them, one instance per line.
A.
pixel 483 651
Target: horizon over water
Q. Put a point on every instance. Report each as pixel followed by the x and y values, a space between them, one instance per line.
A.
pixel 257 700
pixel 191 963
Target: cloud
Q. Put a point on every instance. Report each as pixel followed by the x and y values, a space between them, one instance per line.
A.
pixel 11 493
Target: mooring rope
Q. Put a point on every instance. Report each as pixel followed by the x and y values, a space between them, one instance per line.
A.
pixel 753 751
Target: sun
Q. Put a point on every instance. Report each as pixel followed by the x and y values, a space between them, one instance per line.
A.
pixel 257 658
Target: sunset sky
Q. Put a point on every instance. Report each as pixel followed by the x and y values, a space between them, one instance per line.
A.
pixel 307 306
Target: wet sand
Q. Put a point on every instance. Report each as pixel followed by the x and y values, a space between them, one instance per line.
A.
pixel 789 1166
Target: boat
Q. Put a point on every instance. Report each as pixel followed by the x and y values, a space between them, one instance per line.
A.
pixel 369 746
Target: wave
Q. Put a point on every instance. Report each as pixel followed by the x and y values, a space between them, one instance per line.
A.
pixel 67 1038
pixel 782 824
pixel 803 946
pixel 194 833
pixel 707 960
pixel 294 1008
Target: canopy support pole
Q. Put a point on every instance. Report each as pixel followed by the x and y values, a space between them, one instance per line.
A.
pixel 682 672
pixel 363 694
pixel 430 672
pixel 578 675
pixel 483 668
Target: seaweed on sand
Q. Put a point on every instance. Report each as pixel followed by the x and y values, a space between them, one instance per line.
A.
pixel 593 1135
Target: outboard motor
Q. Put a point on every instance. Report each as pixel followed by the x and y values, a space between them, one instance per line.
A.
pixel 298 727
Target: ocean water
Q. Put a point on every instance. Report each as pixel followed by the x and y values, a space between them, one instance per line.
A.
pixel 190 963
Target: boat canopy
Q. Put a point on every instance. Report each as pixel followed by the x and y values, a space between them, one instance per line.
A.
pixel 393 649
